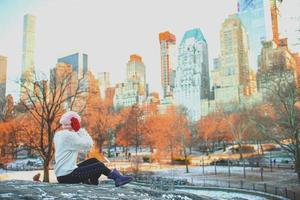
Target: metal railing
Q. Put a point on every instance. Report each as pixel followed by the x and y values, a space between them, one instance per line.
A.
pixel 241 184
pixel 160 183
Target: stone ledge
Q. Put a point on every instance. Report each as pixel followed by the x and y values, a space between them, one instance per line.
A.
pixel 18 189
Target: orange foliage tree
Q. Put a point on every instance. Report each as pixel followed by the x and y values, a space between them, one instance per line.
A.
pixel 101 121
pixel 168 133
pixel 8 143
pixel 211 129
pixel 132 132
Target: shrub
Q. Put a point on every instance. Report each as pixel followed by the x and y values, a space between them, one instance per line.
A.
pixel 223 162
pixel 284 161
pixel 269 147
pixel 146 159
pixel 181 160
pixel 243 149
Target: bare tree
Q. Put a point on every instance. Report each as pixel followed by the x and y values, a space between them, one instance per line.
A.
pixel 279 117
pixel 44 104
pixel 238 122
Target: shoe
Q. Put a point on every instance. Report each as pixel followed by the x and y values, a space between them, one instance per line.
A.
pixel 119 178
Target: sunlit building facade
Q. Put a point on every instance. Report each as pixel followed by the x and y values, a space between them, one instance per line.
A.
pixel 232 78
pixel 134 90
pixel 136 72
pixel 192 73
pixel 3 77
pixel 168 59
pixel 233 81
pixel 275 63
pixel 104 83
pixel 63 78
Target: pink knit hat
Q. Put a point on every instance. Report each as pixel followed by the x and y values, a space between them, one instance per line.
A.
pixel 65 119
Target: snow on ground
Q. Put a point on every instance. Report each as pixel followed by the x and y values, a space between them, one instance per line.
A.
pixel 28 175
pixel 222 195
pixel 3 171
pixel 25 175
pixel 26 164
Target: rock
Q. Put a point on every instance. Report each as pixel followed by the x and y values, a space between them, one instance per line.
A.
pixel 18 189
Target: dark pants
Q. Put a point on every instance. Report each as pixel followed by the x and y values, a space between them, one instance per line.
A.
pixel 88 171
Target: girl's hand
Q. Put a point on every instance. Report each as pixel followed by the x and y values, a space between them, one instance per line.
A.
pixel 75 124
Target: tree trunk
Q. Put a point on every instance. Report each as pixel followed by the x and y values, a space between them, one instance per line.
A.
pixel 261 147
pixel 297 168
pixel 258 147
pixel 186 161
pixel 126 152
pixel 46 171
pixel 172 157
pixel 240 151
pixel 297 155
pixel 213 146
pixel 136 149
pixel 100 146
pixel 110 138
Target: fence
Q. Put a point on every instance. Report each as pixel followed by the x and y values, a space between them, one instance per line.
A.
pixel 170 183
pixel 261 187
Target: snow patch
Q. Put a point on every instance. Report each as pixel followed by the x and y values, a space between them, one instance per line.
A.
pixel 222 195
pixel 6 195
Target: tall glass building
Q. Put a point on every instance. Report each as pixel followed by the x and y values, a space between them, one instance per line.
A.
pixel 79 62
pixel 256 19
pixel 28 43
pixel 104 83
pixel 3 75
pixel 192 74
pixel 28 68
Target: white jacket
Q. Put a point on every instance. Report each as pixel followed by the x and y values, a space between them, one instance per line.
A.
pixel 67 144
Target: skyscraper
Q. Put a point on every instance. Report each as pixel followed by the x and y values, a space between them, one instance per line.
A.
pixel 28 68
pixel 256 19
pixel 28 43
pixel 276 63
pixel 136 71
pixel 234 83
pixel 234 51
pixel 168 62
pixel 78 61
pixel 62 78
pixel 104 83
pixel 134 89
pixel 3 75
pixel 192 73
pixel 231 79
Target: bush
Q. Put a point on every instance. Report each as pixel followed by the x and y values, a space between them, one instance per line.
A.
pixel 270 147
pixel 181 160
pixel 284 161
pixel 223 162
pixel 243 149
pixel 146 159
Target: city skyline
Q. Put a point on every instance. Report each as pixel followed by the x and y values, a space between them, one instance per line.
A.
pixel 109 47
pixel 101 46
